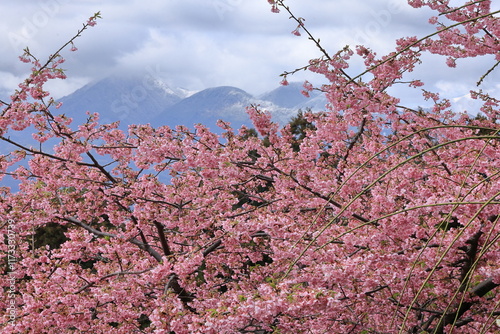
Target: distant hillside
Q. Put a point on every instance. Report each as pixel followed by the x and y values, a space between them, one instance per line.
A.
pixel 130 100
pixel 142 99
pixel 289 96
pixel 208 106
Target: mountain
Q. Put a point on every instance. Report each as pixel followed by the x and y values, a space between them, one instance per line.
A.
pixel 143 99
pixel 289 96
pixel 229 104
pixel 316 102
pixel 127 99
pixel 208 106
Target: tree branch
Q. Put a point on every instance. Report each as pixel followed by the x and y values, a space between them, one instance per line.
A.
pixel 90 284
pixel 163 239
pixel 212 247
pixel 479 290
pixel 144 246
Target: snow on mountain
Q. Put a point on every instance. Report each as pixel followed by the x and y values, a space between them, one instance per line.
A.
pixel 466 104
pixel 287 100
pixel 208 106
pixel 316 102
pixel 178 91
pixel 229 104
pixel 288 96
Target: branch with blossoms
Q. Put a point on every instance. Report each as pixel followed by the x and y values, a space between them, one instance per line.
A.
pixel 49 70
pixel 417 43
pixel 374 211
pixel 296 32
pixel 423 44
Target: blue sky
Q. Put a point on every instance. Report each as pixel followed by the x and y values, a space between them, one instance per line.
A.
pixel 197 44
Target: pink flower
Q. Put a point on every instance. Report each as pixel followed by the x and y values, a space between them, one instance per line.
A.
pixel 274 7
pixel 450 61
pixel 196 232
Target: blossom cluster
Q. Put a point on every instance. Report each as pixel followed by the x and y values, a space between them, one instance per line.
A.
pixel 379 218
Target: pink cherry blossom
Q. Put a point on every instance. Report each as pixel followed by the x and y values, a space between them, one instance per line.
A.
pixel 377 218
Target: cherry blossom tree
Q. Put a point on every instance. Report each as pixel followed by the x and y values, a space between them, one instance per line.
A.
pixel 381 218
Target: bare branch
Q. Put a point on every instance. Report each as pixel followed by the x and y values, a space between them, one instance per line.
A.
pixel 118 273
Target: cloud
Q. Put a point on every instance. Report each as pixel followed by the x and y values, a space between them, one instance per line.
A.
pixel 198 44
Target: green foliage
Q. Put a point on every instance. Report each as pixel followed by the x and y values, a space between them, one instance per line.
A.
pixel 299 126
pixel 144 321
pixel 266 259
pixel 449 224
pixel 250 133
pixel 52 235
pixel 485 131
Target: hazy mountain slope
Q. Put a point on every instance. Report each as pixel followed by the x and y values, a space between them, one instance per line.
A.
pixel 207 107
pixel 142 99
pixel 130 100
pixel 289 96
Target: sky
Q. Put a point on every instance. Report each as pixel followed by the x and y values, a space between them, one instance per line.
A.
pixel 196 44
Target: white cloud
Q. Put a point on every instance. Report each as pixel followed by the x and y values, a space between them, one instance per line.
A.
pixel 198 44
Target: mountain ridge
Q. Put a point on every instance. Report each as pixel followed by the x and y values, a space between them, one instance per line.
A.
pixel 140 100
